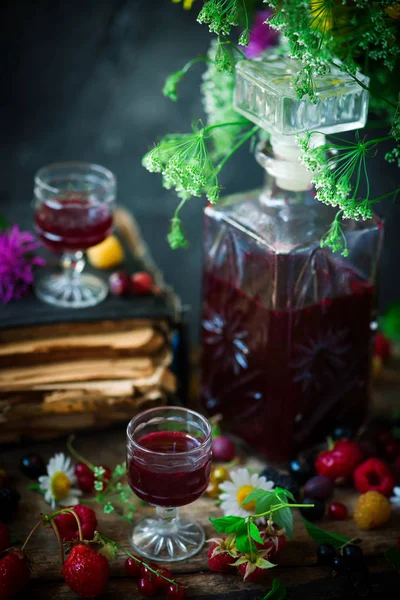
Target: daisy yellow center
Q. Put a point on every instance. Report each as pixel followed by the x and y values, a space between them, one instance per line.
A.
pixel 60 485
pixel 242 494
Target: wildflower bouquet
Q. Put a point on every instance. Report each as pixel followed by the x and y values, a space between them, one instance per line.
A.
pixel 352 35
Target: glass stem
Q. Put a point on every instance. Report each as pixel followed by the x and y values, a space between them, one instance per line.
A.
pixel 169 519
pixel 72 264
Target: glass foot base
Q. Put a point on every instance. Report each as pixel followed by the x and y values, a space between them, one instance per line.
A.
pixel 154 541
pixel 59 290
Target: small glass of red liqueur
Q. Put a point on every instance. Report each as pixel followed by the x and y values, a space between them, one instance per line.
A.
pixel 168 465
pixel 74 204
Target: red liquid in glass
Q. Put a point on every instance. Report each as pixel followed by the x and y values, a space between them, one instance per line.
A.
pixel 73 223
pixel 283 379
pixel 153 481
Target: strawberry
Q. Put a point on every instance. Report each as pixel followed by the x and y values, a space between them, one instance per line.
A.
pixel 374 474
pixel 253 568
pixel 5 540
pixel 339 463
pixel 14 574
pixel 68 527
pixel 222 554
pixel 86 572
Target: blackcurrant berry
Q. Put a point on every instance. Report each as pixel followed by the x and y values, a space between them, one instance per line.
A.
pixel 300 470
pixel 33 466
pixel 341 565
pixel 281 480
pixel 354 555
pixel 315 512
pixel 325 554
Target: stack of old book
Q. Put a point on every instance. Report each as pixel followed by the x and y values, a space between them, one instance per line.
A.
pixel 63 370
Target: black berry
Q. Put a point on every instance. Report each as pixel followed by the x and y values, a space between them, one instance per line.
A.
pixel 315 512
pixel 341 565
pixel 33 466
pixel 343 433
pixel 9 500
pixel 325 554
pixel 282 480
pixel 300 470
pixel 354 555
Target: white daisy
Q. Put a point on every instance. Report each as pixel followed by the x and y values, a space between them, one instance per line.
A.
pixel 59 481
pixel 235 491
pixel 396 498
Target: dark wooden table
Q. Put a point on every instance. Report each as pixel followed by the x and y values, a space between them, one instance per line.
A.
pixel 301 576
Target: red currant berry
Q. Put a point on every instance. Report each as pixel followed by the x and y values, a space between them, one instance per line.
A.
pixel 142 283
pixel 160 581
pixel 120 283
pixel 86 483
pixel 337 511
pixel 145 572
pixel 175 593
pixel 82 470
pixel 146 587
pixel 132 567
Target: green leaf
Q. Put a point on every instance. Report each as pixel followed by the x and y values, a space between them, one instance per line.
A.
pixel 265 564
pixel 3 223
pixel 255 495
pixel 393 556
pixel 285 493
pixel 277 592
pixel 255 534
pixel 284 518
pixel 34 487
pixel 265 502
pixel 227 524
pixel 243 543
pixel 325 537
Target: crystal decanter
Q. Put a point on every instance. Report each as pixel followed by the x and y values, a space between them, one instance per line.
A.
pixel 286 324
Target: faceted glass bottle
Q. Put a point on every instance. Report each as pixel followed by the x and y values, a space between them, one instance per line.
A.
pixel 286 324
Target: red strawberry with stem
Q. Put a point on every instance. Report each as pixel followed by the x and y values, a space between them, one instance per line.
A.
pixel 221 554
pixel 14 574
pixel 68 526
pixel 86 572
pixel 253 567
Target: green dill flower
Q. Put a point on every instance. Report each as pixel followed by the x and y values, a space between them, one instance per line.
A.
pixel 108 508
pixel 98 485
pixel 224 60
pixel 98 472
pixel 220 15
pixel 394 154
pixel 119 470
pixel 185 163
pixel 334 238
pixel 333 165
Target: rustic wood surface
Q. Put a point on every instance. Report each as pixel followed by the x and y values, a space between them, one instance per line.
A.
pixel 297 564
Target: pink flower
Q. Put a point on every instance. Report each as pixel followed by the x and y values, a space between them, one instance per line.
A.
pixel 17 263
pixel 261 35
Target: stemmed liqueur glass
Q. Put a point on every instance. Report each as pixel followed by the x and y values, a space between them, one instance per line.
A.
pixel 73 205
pixel 168 465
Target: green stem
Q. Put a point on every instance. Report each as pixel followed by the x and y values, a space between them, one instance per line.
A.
pixel 76 455
pixel 38 524
pixel 250 540
pixel 397 191
pixel 242 141
pixel 194 61
pixel 59 540
pixel 119 549
pixel 246 16
pixel 278 507
pixel 62 511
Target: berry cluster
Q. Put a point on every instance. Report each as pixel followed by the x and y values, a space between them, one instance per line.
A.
pixel 140 284
pixel 153 579
pixel 350 560
pixel 223 555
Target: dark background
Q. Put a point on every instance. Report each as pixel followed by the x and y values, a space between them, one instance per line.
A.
pixel 82 80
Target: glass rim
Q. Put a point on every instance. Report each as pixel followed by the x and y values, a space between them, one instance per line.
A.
pixel 177 408
pixel 109 182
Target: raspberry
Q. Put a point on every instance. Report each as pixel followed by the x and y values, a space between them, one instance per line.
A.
pixel 372 510
pixel 374 474
pixel 68 527
pixel 5 539
pixel 14 575
pixel 86 572
pixel 219 559
pixel 274 542
pixel 250 571
pixel 339 464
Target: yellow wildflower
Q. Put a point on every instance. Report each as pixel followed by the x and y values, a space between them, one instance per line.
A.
pixel 187 4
